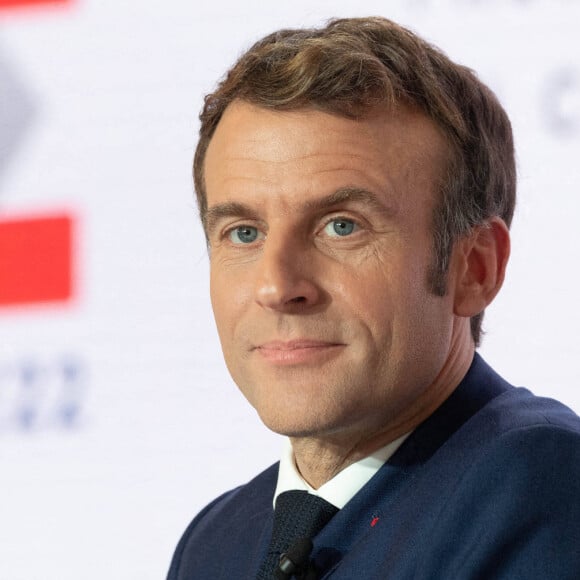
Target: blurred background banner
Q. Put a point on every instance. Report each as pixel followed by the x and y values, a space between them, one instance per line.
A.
pixel 35 259
pixel 118 420
pixel 20 3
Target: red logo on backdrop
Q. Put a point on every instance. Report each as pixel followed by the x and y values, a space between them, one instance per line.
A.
pixel 36 259
pixel 10 3
pixel 36 251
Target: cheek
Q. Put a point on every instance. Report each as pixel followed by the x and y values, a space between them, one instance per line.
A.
pixel 375 286
pixel 393 298
pixel 231 291
pixel 231 281
pixel 221 304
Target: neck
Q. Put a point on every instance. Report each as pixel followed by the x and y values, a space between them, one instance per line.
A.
pixel 319 458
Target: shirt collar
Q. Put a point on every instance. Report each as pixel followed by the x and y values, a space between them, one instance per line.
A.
pixel 344 485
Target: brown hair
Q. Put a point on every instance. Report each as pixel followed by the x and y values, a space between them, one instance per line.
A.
pixel 353 65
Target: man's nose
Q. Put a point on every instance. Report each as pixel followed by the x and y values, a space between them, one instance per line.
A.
pixel 285 277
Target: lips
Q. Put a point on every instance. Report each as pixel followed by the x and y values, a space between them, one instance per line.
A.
pixel 295 344
pixel 297 351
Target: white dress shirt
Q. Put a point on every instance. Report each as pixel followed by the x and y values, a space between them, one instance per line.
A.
pixel 344 485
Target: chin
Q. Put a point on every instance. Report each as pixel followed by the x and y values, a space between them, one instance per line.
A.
pixel 311 421
pixel 304 408
pixel 289 421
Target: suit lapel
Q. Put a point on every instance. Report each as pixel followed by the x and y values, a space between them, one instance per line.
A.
pixel 372 513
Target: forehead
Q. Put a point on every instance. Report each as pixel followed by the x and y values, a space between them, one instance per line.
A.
pixel 302 153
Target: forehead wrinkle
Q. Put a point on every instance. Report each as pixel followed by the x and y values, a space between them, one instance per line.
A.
pixel 350 195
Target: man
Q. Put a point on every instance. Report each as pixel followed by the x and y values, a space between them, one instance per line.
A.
pixel 356 189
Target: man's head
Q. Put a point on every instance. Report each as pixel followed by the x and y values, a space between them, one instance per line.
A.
pixel 354 66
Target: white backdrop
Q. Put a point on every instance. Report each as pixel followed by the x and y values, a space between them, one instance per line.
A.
pixel 118 420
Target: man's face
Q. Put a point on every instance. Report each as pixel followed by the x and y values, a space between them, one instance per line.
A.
pixel 320 232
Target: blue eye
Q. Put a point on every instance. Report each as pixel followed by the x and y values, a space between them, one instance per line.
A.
pixel 244 235
pixel 340 227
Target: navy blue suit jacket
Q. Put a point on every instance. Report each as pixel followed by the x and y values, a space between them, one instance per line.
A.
pixel 487 488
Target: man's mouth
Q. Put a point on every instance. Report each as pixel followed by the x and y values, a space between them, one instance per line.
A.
pixel 298 351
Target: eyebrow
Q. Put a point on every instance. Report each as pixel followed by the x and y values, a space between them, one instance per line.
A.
pixel 350 195
pixel 224 210
pixel 343 195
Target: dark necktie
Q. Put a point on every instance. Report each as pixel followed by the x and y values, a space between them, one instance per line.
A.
pixel 298 514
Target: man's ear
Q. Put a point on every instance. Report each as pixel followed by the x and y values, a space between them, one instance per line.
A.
pixel 480 263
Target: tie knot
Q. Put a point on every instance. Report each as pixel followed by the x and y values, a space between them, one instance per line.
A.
pixel 299 514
